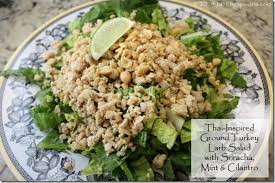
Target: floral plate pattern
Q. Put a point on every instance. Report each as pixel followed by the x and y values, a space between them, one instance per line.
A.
pixel 20 137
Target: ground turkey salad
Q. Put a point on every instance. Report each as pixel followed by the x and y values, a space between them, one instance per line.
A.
pixel 129 109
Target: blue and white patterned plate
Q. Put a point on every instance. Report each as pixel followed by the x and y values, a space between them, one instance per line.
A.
pixel 19 136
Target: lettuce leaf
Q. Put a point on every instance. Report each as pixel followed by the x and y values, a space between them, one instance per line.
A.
pixel 99 11
pixel 181 160
pixel 228 69
pixel 45 119
pixel 155 92
pixel 46 98
pixel 127 171
pixel 74 116
pixel 141 151
pixel 52 142
pixel 70 40
pixel 164 133
pixel 168 170
pixel 142 138
pixel 119 8
pixel 28 73
pixel 144 14
pixel 45 114
pixel 191 24
pixel 207 45
pixel 185 134
pixel 177 120
pixel 149 124
pixel 159 19
pixel 142 170
pixel 94 168
pixel 221 105
pixel 101 163
pixel 193 39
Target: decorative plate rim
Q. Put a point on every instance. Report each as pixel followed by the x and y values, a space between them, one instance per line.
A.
pixel 3 152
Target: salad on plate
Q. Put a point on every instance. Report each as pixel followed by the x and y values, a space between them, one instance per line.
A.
pixel 123 86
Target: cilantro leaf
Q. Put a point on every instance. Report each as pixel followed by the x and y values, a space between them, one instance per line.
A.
pixel 238 81
pixel 195 78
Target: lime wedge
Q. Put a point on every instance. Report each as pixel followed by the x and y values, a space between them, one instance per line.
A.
pixel 107 34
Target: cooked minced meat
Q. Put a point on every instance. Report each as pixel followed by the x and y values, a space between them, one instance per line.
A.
pixel 141 57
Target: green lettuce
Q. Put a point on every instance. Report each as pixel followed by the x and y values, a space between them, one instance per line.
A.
pixel 177 120
pixel 238 81
pixel 46 98
pixel 45 119
pixel 193 39
pixel 94 168
pixel 142 138
pixel 207 45
pixel 73 116
pixel 70 40
pixel 142 170
pixel 185 134
pixel 181 160
pixel 221 105
pixel 164 133
pixel 28 73
pixel 149 124
pixel 52 142
pixel 159 19
pixel 50 112
pixel 228 69
pixel 119 8
pixel 101 163
pixel 155 93
pixel 168 170
pixel 144 15
pixel 191 24
pixel 127 171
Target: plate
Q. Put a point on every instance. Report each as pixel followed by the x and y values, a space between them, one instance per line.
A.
pixel 19 136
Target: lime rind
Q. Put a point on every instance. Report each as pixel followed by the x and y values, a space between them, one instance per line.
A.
pixel 107 34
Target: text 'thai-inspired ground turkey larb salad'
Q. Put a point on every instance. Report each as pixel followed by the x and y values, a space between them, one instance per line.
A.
pixel 126 99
